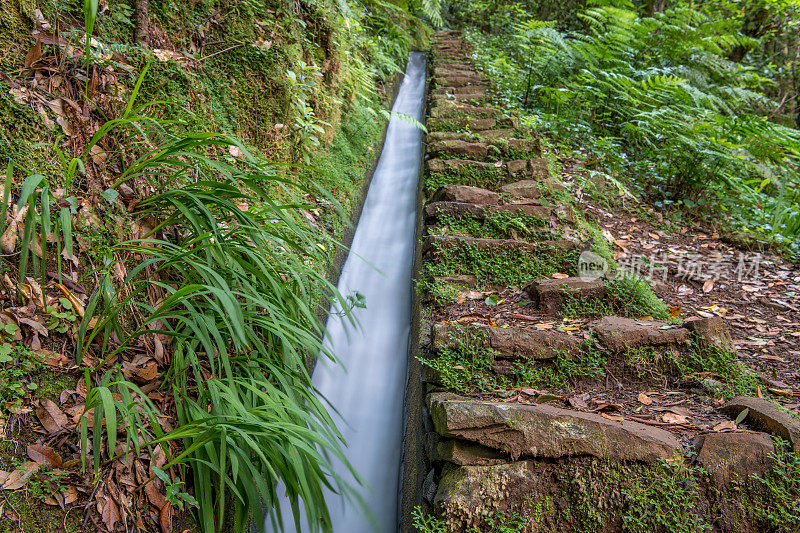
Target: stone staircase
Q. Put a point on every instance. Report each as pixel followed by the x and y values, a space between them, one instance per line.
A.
pixel 488 454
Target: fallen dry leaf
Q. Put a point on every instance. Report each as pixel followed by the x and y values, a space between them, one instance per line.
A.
pixel 708 286
pixel 165 518
pixel 672 418
pixel 19 477
pixel 44 455
pixel 728 425
pixel 110 513
pixel 576 402
pixel 645 399
pixel 51 416
pixel 612 417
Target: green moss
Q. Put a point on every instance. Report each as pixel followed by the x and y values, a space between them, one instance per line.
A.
pixel 502 267
pixel 772 500
pixel 51 385
pixel 564 370
pixel 502 225
pixel 484 177
pixel 654 364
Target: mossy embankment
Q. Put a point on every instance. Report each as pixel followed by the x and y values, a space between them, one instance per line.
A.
pixel 304 85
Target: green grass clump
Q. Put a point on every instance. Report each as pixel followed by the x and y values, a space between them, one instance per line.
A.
pixel 625 296
pixel 467 367
pixel 502 225
pixel 564 370
pixel 503 267
pixel 633 297
pixel 484 177
pixel 504 522
pixel 442 292
pixel 772 500
pixel 652 363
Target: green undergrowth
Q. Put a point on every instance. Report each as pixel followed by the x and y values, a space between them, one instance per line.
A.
pixel 656 103
pixel 627 296
pixel 343 168
pixel 501 267
pixel 483 177
pixel 563 371
pixel 501 225
pixel 728 376
pixel 467 367
pixel 589 495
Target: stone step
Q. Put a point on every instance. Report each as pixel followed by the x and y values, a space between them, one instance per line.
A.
pixel 465 194
pixel 550 294
pixel 472 90
pixel 474 99
pixel 434 136
pixel 765 415
pixel 466 172
pixel 619 334
pixel 451 54
pixel 544 431
pixel 472 150
pixel 462 209
pixel 726 457
pixel 519 148
pixel 510 343
pixel 434 243
pixel 456 124
pixel 458 81
pixel 463 111
pixel 447 165
pixel 494 135
pixel 463 453
pixel 456 72
pixel 535 168
pixel 532 189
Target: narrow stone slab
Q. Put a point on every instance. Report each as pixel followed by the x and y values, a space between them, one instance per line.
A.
pixel 434 210
pixel 619 334
pixel 510 343
pixel 711 333
pixel 448 165
pixel 518 169
pixel 766 416
pixel 468 98
pixel 462 111
pixel 450 136
pixel 450 73
pixel 465 194
pixel 550 294
pixel 479 90
pixel 462 209
pixel 493 135
pixel 458 81
pixel 473 124
pixel 462 453
pixel 519 148
pixel 433 243
pixel 463 148
pixel 733 456
pixel 522 189
pixel 468 494
pixel 546 431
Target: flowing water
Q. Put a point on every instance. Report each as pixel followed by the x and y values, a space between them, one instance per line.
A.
pixel 368 388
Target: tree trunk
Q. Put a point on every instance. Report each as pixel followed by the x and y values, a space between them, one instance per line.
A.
pixel 754 25
pixel 142 21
